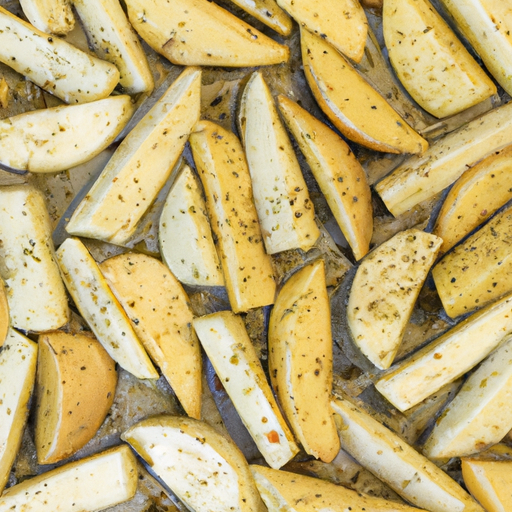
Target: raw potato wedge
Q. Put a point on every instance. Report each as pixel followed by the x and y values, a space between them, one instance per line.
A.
pixel 384 291
pixel 52 16
pixel 430 61
pixel 114 40
pixel 479 416
pixel 58 67
pixel 269 13
pixel 201 33
pixel 4 313
pixel 101 310
pixel 88 485
pixel 230 350
pixel 421 177
pixel 286 492
pixel 203 468
pixel 56 139
pixel 339 174
pixel 162 319
pixel 285 211
pixel 18 360
pixel 352 104
pixel 194 260
pixel 76 383
pixel 300 360
pixel 478 270
pixel 222 167
pixel 342 23
pixel 448 357
pixel 408 473
pixel 474 197
pixel 35 292
pixel 140 166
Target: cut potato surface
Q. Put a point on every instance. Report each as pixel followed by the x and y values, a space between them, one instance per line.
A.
pixel 4 313
pixel 52 16
pixel 269 13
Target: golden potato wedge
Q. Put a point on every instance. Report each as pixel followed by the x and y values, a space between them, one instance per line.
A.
pixel 339 174
pixel 230 350
pixel 300 360
pixel 76 383
pixel 223 170
pixel 203 468
pixel 4 313
pixel 161 316
pixel 53 64
pixel 430 61
pixel 58 138
pixel 18 360
pixel 285 211
pixel 269 13
pixel 352 104
pixel 201 33
pixel 52 16
pixel 384 291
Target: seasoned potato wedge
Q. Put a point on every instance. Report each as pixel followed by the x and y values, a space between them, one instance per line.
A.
pixel 384 291
pixel 56 139
pixel 352 104
pixel 203 468
pixel 269 13
pixel 300 360
pixel 52 16
pixel 4 313
pixel 160 313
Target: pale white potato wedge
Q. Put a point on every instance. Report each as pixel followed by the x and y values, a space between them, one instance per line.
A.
pixel 58 138
pixel 185 235
pixel 388 457
pixel 339 174
pixel 91 484
pixel 384 291
pixel 141 165
pixel 52 16
pixel 352 104
pixel 161 316
pixel 223 170
pixel 53 64
pixel 300 360
pixel 480 415
pixel 35 292
pixel 101 310
pixel 447 357
pixel 18 360
pixel 430 61
pixel 230 350
pixel 204 469
pixel 4 313
pixel 76 383
pixel 114 40
pixel 269 13
pixel 201 33
pixel 342 23
pixel 285 211
pixel 421 177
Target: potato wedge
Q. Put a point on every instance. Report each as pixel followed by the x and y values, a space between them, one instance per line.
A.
pixel 56 139
pixel 269 13
pixel 339 174
pixel 222 167
pixel 352 104
pixel 76 383
pixel 101 310
pixel 407 472
pixel 58 67
pixel 194 260
pixel 285 211
pixel 35 292
pixel 18 360
pixel 479 416
pixel 161 316
pixel 91 484
pixel 384 291
pixel 421 177
pixel 430 61
pixel 230 350
pixel 300 360
pixel 201 33
pixel 4 313
pixel 447 357
pixel 52 16
pixel 140 166
pixel 204 469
